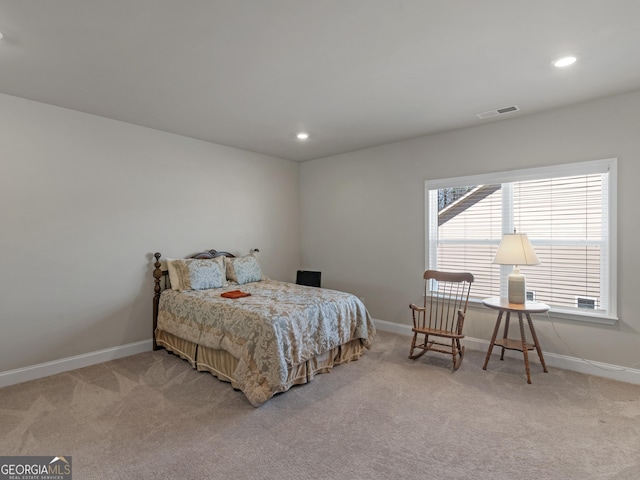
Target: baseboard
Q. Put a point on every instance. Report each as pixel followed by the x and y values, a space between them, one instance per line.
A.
pixel 33 372
pixel 613 372
pixel 19 375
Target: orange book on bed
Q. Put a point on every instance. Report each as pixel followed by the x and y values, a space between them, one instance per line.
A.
pixel 235 294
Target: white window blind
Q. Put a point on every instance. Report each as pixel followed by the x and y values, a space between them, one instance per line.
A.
pixel 567 211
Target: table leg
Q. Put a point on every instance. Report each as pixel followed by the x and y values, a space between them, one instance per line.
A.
pixel 536 343
pixel 493 339
pixel 524 348
pixel 506 332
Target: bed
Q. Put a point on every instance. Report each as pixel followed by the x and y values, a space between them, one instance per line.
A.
pixel 263 336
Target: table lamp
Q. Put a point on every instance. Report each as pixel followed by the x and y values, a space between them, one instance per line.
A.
pixel 516 249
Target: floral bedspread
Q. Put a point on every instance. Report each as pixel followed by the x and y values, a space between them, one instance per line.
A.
pixel 277 326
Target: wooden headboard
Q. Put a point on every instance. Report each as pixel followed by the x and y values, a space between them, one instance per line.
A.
pixel 159 274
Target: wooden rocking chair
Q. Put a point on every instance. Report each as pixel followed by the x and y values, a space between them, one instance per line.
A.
pixel 446 296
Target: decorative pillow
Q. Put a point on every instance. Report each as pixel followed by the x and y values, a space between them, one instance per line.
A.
pixel 196 274
pixel 243 269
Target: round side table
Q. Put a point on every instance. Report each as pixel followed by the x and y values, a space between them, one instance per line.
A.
pixel 527 308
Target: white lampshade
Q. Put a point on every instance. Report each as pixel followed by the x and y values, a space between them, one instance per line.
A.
pixel 516 249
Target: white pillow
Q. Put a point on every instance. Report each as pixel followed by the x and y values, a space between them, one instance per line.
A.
pixel 196 273
pixel 243 269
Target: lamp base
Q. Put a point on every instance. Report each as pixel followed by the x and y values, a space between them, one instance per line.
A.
pixel 517 288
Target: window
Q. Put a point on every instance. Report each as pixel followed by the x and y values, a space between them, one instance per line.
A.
pixel 568 212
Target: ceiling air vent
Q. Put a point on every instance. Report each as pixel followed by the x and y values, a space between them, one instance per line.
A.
pixel 498 111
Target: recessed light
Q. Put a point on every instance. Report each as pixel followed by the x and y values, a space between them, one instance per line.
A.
pixel 565 61
pixel 302 136
pixel 1 35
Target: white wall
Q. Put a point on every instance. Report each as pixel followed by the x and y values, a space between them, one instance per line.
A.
pixel 362 213
pixel 84 203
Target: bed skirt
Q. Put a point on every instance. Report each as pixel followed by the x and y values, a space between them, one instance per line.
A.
pixel 222 364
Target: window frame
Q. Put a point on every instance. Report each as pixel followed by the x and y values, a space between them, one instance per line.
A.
pixel 569 169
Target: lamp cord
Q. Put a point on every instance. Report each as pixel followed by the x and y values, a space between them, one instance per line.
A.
pixel 608 369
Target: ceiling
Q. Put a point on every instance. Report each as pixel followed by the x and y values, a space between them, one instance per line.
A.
pixel 352 73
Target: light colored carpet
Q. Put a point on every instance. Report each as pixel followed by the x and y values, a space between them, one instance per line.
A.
pixel 384 416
